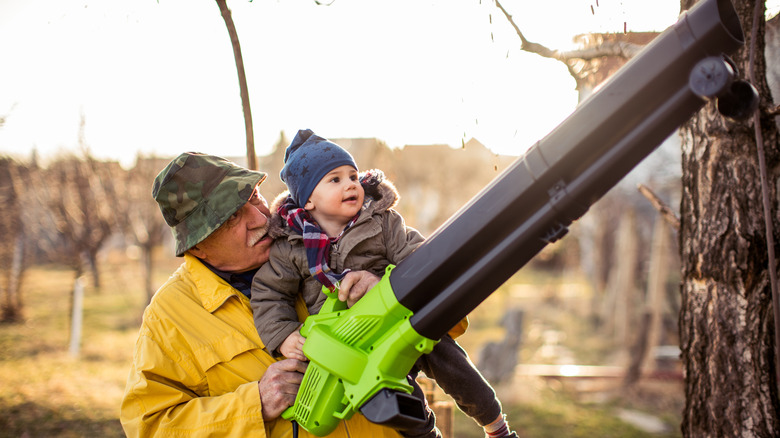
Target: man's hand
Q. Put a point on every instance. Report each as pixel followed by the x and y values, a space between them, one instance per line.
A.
pixel 279 386
pixel 355 284
pixel 292 347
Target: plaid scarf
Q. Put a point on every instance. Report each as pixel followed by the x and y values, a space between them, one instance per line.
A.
pixel 316 242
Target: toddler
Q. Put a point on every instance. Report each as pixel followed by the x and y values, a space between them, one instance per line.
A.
pixel 333 219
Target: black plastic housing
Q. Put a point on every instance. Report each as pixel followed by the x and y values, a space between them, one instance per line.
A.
pixel 395 409
pixel 533 201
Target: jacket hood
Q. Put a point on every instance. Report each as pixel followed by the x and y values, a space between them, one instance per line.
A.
pixel 381 195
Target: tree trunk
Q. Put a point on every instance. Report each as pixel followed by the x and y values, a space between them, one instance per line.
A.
pixel 12 230
pixel 621 297
pixel 650 322
pixel 91 256
pixel 638 351
pixel 147 267
pixel 76 317
pixel 659 270
pixel 250 135
pixel 13 309
pixel 726 323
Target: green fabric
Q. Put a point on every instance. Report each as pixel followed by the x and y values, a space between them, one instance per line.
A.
pixel 197 193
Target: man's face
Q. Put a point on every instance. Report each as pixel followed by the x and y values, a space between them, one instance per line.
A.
pixel 242 242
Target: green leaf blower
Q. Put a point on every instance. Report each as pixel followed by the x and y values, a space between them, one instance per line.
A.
pixel 359 357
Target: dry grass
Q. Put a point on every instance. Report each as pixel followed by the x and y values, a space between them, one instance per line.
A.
pixel 45 390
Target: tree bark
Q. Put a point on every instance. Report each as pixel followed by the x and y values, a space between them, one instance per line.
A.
pixel 726 323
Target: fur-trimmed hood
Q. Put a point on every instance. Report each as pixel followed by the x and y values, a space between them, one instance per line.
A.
pixel 381 195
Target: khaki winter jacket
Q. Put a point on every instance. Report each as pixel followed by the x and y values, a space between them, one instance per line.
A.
pixel 379 237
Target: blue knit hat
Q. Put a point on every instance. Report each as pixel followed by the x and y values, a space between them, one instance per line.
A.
pixel 309 158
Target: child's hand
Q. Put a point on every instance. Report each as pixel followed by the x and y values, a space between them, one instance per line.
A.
pixel 355 284
pixel 292 347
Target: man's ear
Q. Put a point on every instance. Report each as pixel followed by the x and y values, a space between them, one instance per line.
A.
pixel 197 252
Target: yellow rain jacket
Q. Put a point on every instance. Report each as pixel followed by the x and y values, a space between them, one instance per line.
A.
pixel 197 362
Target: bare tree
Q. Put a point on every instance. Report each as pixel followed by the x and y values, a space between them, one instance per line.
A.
pixel 140 217
pixel 72 206
pixel 81 207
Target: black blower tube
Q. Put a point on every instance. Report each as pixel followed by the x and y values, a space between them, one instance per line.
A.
pixel 532 203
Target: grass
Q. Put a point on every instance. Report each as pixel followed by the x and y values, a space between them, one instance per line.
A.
pixel 44 391
pixel 555 413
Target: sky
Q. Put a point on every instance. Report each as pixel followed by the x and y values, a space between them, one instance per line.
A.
pixel 158 76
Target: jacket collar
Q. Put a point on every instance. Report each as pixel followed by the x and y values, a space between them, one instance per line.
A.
pixel 212 289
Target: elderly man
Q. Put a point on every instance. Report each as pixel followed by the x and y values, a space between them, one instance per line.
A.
pixel 199 366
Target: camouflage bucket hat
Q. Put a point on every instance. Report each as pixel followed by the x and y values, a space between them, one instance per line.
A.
pixel 197 193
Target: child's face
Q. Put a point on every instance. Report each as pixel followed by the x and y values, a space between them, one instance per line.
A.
pixel 338 196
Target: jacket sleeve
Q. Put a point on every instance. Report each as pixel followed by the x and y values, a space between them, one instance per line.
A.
pixel 160 401
pixel 275 288
pixel 400 239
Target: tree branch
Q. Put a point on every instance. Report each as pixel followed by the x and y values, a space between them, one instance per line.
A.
pixel 659 205
pixel 537 48
pixel 620 49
